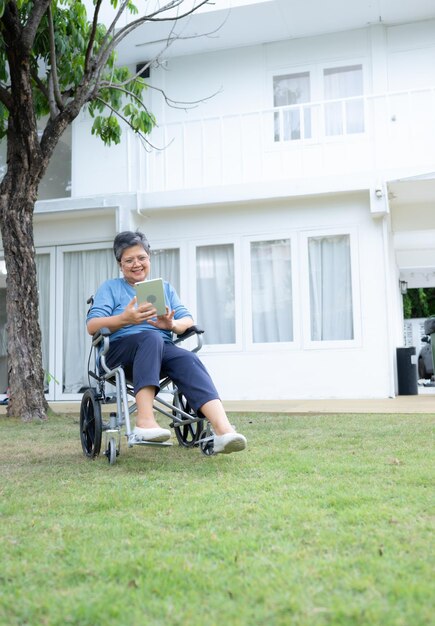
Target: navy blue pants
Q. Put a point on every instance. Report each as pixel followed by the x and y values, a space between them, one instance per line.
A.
pixel 147 358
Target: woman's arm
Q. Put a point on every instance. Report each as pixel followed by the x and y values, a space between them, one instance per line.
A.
pixel 130 315
pixel 180 326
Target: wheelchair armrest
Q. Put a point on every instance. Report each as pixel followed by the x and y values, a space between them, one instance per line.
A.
pixel 102 334
pixel 190 332
pixel 193 330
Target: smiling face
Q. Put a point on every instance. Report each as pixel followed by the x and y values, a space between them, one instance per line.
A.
pixel 135 264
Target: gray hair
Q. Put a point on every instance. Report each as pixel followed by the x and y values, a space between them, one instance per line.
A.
pixel 127 239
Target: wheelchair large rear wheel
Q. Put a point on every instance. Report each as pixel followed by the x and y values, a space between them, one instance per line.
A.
pixel 91 424
pixel 187 434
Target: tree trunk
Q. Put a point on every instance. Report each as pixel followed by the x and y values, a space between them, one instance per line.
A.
pixel 27 161
pixel 25 369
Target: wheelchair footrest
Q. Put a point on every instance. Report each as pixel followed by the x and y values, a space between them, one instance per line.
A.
pixel 136 442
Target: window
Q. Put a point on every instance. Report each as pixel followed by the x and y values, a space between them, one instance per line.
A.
pixel 43 282
pixel 346 114
pixel 83 273
pixel 271 291
pixel 166 264
pixel 56 182
pixel 216 293
pixel 293 120
pixel 330 288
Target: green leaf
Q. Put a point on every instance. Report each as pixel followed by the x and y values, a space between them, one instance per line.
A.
pixel 108 129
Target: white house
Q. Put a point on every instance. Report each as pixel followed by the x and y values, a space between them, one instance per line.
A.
pixel 285 203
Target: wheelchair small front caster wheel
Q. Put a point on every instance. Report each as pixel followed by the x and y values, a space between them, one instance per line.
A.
pixel 111 452
pixel 206 444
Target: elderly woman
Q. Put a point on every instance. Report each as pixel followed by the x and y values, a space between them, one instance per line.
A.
pixel 142 342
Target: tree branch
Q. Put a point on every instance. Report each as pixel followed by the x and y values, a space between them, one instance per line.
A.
pixel 54 110
pixel 53 73
pixel 42 88
pixel 187 105
pixel 106 50
pixel 184 105
pixel 39 7
pixel 92 36
pixel 108 35
pixel 173 36
pixel 119 87
pixel 123 32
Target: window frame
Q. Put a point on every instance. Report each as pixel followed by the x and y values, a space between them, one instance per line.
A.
pixel 308 343
pixel 270 346
pixel 281 144
pixel 237 346
pixel 52 385
pixel 343 63
pixel 317 90
pixel 154 249
pixel 60 250
pixel 300 107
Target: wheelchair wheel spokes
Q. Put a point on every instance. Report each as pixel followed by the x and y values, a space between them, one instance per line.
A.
pixel 206 442
pixel 91 424
pixel 187 434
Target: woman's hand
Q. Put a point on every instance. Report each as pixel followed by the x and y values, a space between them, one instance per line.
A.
pixel 138 314
pixel 164 322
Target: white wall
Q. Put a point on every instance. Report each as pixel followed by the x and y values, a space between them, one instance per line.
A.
pixel 411 55
pixel 240 81
pixel 363 369
pixel 242 76
pixel 299 370
pixel 75 227
pixel 98 169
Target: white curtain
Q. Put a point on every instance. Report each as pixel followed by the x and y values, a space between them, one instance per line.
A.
pixel 344 117
pixel 271 289
pixel 215 293
pixel 3 163
pixel 83 272
pixel 43 285
pixel 330 288
pixel 292 89
pixel 56 182
pixel 166 264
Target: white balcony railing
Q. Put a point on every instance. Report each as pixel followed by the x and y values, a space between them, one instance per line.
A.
pixel 380 134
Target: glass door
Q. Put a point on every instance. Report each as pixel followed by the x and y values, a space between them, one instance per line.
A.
pixel 80 272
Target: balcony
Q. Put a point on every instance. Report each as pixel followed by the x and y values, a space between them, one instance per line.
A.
pixel 351 141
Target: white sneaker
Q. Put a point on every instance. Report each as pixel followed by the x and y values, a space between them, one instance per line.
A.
pixel 230 442
pixel 152 434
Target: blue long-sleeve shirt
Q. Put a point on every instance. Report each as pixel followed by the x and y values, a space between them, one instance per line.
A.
pixel 113 296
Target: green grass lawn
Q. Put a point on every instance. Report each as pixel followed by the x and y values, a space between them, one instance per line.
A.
pixel 325 519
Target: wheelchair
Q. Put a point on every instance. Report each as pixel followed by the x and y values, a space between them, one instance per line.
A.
pixel 191 430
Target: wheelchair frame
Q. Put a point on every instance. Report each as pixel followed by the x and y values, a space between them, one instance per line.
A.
pixel 190 429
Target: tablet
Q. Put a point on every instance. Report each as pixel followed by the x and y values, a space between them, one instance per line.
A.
pixel 152 291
